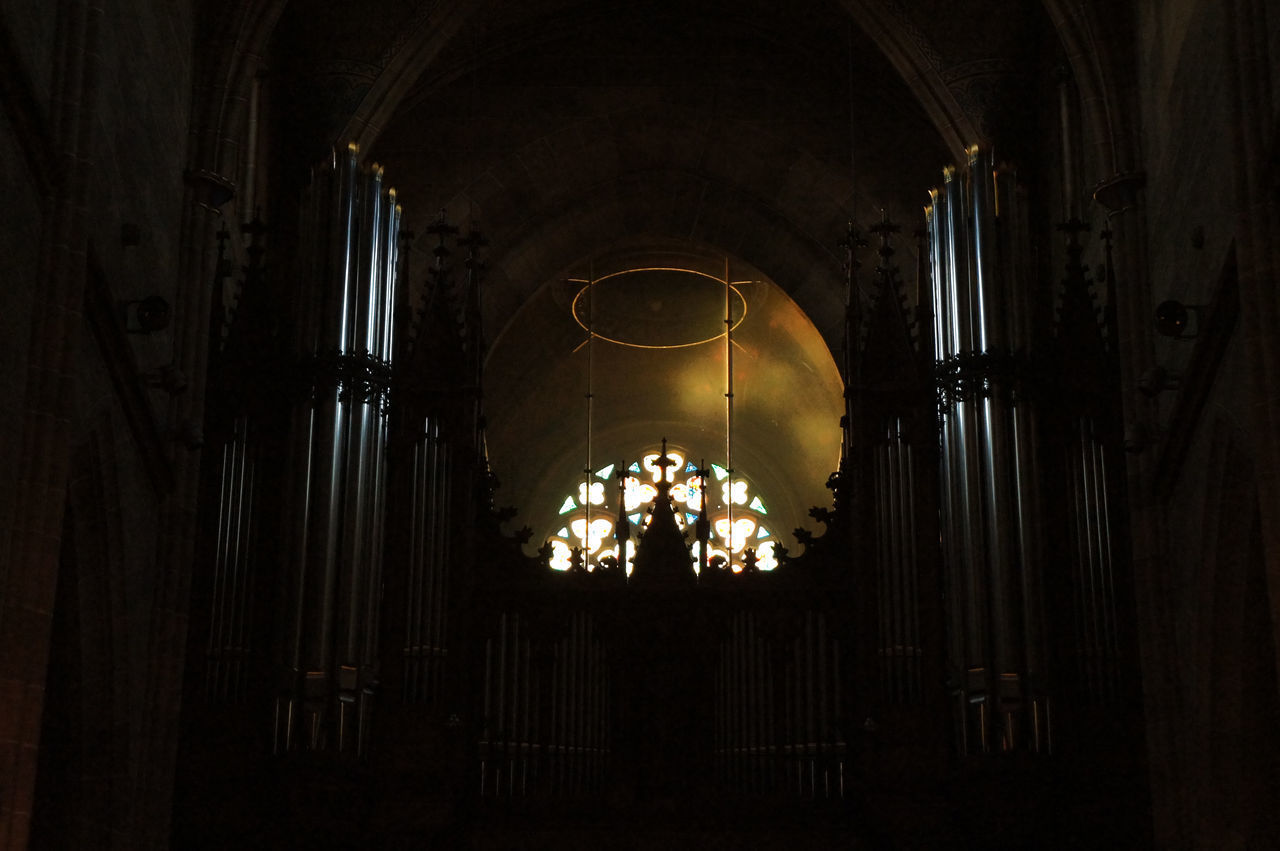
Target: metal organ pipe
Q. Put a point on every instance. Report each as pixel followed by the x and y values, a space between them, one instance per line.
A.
pixel 229 635
pixel 339 440
pixel 425 645
pixel 990 509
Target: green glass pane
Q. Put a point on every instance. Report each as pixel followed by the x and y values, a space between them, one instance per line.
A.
pixel 721 472
pixel 569 505
pixel 605 472
pixel 564 532
pixel 757 505
pixel 762 533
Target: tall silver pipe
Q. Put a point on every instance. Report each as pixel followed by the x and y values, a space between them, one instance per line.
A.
pixel 989 515
pixel 1087 590
pixel 821 663
pixel 1108 577
pixel 438 521
pixel 913 580
pixel 339 440
pixel 898 514
pixel 883 559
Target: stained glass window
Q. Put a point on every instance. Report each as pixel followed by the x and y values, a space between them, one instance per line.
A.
pixel 598 498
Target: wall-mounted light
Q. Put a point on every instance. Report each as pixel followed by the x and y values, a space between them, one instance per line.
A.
pixel 1173 319
pixel 147 315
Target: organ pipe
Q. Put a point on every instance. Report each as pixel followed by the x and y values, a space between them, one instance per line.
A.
pixel 776 704
pixel 338 444
pixel 229 642
pixel 545 710
pixel 1096 629
pixel 990 505
pixel 430 555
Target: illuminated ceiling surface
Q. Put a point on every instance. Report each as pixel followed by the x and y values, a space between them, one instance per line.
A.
pixel 661 373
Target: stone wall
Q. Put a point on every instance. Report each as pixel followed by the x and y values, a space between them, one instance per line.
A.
pixel 93 137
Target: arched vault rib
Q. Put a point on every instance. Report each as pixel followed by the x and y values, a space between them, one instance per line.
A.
pixel 404 62
pixel 908 50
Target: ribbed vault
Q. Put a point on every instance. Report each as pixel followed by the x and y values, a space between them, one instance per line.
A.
pixel 569 131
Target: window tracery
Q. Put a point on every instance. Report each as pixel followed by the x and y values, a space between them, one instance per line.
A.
pixel 737 513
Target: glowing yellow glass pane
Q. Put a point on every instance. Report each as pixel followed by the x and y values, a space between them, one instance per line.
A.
pixel 739 492
pixel 597 493
pixel 679 492
pixel 650 463
pixel 637 494
pixel 561 555
pixel 601 528
pixel 766 559
pixel 743 527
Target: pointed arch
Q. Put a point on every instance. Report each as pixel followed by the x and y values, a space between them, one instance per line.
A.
pixel 919 62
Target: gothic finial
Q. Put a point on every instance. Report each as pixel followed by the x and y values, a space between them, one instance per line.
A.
pixel 664 461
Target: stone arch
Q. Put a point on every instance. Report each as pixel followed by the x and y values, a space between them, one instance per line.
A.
pixel 910 51
pixel 1109 137
pixel 403 63
pixel 918 61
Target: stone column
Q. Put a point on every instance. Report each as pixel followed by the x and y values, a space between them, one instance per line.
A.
pixel 29 568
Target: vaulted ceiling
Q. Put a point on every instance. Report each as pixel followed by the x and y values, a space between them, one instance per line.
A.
pixel 568 130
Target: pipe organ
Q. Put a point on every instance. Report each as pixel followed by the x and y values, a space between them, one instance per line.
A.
pixel 894 438
pixel 990 506
pixel 233 644
pixel 900 647
pixel 509 687
pixel 231 637
pixel 546 708
pixel 778 711
pixel 732 688
pixel 431 551
pixel 1087 432
pixel 1088 465
pixel 336 480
